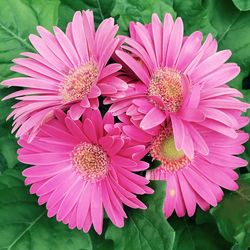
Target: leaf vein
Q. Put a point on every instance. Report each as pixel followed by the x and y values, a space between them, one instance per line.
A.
pixel 26 230
pixel 15 36
pixel 100 9
pixel 228 28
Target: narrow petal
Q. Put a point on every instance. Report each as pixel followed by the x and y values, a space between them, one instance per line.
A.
pixel 175 43
pixel 96 208
pixel 170 201
pixel 135 66
pixel 80 37
pixel 152 119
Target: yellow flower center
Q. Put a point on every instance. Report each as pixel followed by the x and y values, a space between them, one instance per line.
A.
pixel 167 85
pixel 91 161
pixel 79 82
pixel 164 150
pixel 169 151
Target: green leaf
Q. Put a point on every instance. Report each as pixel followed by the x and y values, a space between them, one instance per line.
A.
pixel 8 155
pixel 66 14
pixel 190 236
pixel 246 154
pixel 154 164
pixel 24 224
pixel 202 217
pixel 140 10
pixel 234 34
pixel 101 9
pixel 98 241
pixel 8 148
pixel 237 247
pixel 233 30
pixel 145 230
pixel 46 11
pixel 19 18
pixel 242 5
pixel 198 237
pixel 193 13
pixel 3 164
pixel 238 83
pixel 195 16
pixel 5 106
pixel 232 214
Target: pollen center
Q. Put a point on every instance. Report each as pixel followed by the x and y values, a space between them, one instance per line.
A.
pixel 91 161
pixel 79 82
pixel 163 149
pixel 167 85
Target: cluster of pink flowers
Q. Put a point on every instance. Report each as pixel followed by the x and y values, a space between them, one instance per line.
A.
pixel 170 95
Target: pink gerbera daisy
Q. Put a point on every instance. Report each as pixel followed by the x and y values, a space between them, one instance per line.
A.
pixel 179 79
pixel 81 168
pixel 69 71
pixel 192 181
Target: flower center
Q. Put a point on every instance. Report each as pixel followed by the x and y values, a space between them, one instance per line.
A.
pixel 79 82
pixel 91 161
pixel 163 149
pixel 167 85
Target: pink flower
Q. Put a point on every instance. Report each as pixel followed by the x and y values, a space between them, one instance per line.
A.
pixel 192 181
pixel 81 168
pixel 181 80
pixel 69 71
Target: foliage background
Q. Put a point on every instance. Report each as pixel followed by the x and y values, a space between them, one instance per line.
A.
pixel 25 226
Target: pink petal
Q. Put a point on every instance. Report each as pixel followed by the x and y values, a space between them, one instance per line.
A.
pixel 167 29
pixel 107 89
pixel 134 65
pixel 52 183
pixel 70 199
pixel 67 47
pixel 210 64
pixel 223 75
pixel 220 128
pixel 136 133
pixel 96 208
pixel 188 194
pixel 217 176
pixel 152 119
pixel 79 37
pixel 54 46
pixel 170 201
pixel 146 41
pixel 180 205
pixel 200 144
pixel 75 111
pixel 90 130
pixel 157 37
pixel 175 43
pixel 60 191
pixel 31 82
pixel 178 131
pixel 44 158
pixel 44 49
pixel 110 69
pixel 189 50
pixel 200 185
pixel 111 211
pixel 192 115
pixel 83 205
pixel 140 52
